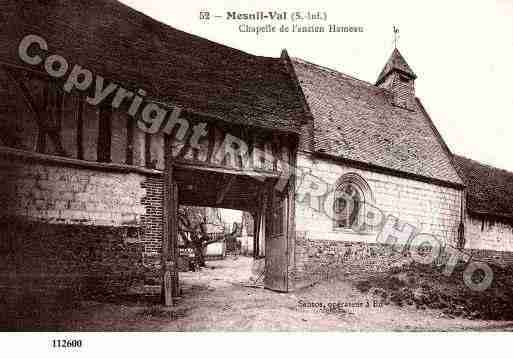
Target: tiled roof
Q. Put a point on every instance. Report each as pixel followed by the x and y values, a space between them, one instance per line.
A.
pixel 136 51
pixel 355 120
pixel 489 189
pixel 396 62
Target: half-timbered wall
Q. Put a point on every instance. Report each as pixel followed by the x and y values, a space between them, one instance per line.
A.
pixel 79 205
pixel 38 115
pixel 70 167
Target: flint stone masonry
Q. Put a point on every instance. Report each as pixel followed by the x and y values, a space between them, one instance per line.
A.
pixel 43 263
pixel 319 260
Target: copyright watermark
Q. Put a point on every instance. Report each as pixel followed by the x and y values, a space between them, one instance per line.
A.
pixel 311 190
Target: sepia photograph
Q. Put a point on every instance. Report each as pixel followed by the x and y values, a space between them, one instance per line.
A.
pixel 254 167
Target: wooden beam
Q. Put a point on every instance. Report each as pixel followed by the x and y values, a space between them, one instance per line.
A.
pixel 185 151
pixel 276 151
pixel 291 213
pixel 256 232
pixel 139 147
pixel 130 130
pixel 76 163
pixel 224 190
pixel 167 225
pixel 264 216
pixel 221 169
pixel 104 134
pixel 41 135
pixel 119 137
pixel 170 287
pixel 147 151
pixel 175 290
pixel 40 114
pixel 157 150
pixel 79 113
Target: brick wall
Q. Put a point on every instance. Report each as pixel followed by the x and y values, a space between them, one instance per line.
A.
pixel 430 208
pixel 152 221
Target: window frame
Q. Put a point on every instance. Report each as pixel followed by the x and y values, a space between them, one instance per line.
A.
pixel 365 197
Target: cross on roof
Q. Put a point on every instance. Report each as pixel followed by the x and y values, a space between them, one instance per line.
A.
pixel 396 36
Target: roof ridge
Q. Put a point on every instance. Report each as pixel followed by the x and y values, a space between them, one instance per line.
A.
pixel 484 164
pixel 161 23
pixel 325 68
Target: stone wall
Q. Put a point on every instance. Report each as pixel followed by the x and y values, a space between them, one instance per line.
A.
pixel 428 207
pixel 50 259
pixel 47 268
pixel 67 228
pixel 318 259
pixel 64 194
pixel 483 233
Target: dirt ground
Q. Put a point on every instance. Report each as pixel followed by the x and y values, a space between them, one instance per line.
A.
pixel 218 298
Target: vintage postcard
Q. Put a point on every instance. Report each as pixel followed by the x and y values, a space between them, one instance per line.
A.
pixel 254 167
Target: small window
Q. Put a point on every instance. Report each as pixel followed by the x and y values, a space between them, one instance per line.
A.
pixel 348 202
pixel 351 197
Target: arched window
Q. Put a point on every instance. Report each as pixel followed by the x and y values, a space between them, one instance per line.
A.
pixel 351 196
pixel 348 201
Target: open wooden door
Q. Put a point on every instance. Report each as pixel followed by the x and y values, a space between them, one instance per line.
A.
pixel 276 242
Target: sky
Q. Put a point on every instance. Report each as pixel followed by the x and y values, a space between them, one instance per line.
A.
pixel 461 51
pixel 230 216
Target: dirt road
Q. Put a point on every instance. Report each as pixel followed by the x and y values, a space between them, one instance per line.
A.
pixel 216 298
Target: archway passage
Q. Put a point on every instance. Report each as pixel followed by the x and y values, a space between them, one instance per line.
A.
pixel 216 253
pixel 236 167
pixel 254 193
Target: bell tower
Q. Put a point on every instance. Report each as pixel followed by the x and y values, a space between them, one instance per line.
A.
pixel 398 77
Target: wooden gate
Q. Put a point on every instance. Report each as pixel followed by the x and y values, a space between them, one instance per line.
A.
pixel 276 244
